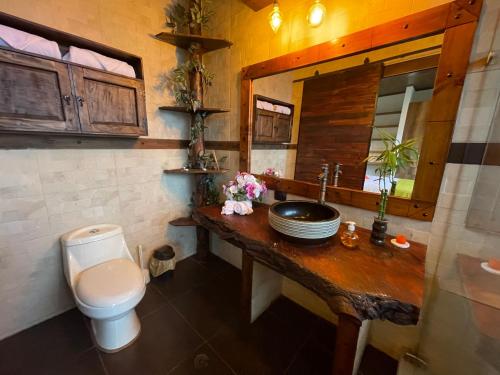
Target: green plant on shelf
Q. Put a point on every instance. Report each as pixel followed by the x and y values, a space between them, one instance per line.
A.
pixel 210 162
pixel 212 190
pixel 209 181
pixel 395 156
pixel 196 16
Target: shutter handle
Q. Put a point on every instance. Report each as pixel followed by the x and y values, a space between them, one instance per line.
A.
pixel 80 100
pixel 67 99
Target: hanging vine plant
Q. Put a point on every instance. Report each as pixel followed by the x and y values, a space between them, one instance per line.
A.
pixel 197 127
pixel 183 92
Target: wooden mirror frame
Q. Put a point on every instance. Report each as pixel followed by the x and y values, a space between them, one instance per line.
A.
pixel 457 20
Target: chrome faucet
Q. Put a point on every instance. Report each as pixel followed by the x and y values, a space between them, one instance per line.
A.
pixel 336 173
pixel 323 180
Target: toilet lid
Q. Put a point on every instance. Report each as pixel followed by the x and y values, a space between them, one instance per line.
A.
pixel 109 283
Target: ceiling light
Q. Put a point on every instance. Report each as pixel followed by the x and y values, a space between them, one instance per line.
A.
pixel 316 14
pixel 275 17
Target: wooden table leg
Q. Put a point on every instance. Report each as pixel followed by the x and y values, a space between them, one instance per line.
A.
pixel 202 242
pixel 246 288
pixel 345 344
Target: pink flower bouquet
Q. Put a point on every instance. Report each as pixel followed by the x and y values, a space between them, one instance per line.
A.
pixel 240 193
pixel 273 172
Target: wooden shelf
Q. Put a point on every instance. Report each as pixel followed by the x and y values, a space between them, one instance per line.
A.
pixel 186 40
pixel 206 111
pixel 183 222
pixel 195 171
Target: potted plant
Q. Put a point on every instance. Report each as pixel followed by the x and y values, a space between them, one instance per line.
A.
pixel 195 16
pixel 396 155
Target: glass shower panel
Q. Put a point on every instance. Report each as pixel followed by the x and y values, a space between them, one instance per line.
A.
pixel 460 332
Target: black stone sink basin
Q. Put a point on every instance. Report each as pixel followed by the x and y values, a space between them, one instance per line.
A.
pixel 304 221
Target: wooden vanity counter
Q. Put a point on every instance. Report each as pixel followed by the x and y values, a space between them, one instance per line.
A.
pixel 369 282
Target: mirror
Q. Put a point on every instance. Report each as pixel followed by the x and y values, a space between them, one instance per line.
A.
pixel 339 112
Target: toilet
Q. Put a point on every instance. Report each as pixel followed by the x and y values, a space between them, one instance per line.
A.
pixel 106 283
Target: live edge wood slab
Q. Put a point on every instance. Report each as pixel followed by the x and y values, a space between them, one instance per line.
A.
pixel 367 283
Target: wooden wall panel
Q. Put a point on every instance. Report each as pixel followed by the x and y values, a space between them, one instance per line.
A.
pixel 335 126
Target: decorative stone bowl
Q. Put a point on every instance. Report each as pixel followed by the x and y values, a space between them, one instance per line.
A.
pixel 304 221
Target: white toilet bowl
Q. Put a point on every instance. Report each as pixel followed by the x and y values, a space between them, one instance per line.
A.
pixel 106 283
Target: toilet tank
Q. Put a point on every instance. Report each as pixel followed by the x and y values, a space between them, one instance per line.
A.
pixel 88 246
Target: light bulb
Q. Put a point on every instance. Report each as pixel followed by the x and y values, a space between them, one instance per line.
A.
pixel 275 18
pixel 316 14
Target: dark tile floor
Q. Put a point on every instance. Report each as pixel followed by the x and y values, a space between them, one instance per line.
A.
pixel 189 326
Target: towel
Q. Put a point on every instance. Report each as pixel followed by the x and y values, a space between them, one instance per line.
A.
pixel 234 207
pixel 273 107
pixel 20 40
pixel 96 60
pixel 282 109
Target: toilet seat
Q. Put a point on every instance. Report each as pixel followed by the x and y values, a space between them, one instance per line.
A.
pixel 110 283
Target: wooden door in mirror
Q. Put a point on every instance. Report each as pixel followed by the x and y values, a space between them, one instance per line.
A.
pixel 336 120
pixel 457 22
pixel 272 121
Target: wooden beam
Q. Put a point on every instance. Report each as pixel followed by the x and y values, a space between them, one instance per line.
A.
pixel 346 344
pixel 246 130
pixel 246 288
pixel 472 6
pixel 39 141
pixel 418 25
pixel 223 145
pixel 274 146
pixel 450 78
pixel 257 5
pixel 202 243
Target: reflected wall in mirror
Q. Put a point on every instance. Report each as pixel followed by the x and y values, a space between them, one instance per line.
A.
pixel 338 113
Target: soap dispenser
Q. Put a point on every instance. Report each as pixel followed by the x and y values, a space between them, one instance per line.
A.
pixel 349 237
